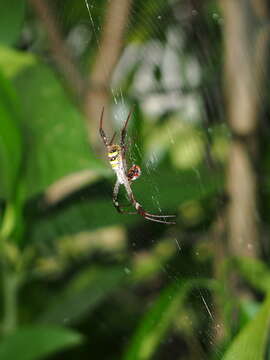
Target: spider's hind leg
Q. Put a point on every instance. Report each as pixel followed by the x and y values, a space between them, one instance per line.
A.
pixel 120 208
pixel 156 218
pixel 152 217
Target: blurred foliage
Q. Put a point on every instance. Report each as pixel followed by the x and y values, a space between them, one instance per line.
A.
pixel 74 271
pixel 36 341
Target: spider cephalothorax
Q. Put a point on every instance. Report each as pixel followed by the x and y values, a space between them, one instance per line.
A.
pixel 134 172
pixel 116 155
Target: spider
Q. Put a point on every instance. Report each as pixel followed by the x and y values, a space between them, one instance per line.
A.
pixel 125 177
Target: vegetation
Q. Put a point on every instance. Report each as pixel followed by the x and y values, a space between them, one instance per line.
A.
pixel 78 279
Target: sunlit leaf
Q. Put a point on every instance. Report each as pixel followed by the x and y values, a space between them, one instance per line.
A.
pixel 53 126
pixel 13 61
pixel 250 343
pixel 36 342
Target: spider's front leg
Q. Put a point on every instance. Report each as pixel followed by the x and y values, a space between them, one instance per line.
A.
pixel 124 132
pixel 101 131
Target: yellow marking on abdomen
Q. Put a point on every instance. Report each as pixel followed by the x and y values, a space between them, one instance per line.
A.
pixel 113 153
pixel 115 163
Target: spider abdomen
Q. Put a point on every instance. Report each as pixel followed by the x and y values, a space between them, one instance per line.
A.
pixel 116 161
pixel 114 156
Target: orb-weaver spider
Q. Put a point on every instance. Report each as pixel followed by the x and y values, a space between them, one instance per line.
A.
pixel 117 158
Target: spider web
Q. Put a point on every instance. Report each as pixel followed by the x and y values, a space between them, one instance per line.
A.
pixel 165 106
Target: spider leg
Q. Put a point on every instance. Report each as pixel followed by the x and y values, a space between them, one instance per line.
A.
pixel 116 204
pixel 160 221
pixel 115 196
pixel 126 177
pixel 140 210
pixel 124 130
pixel 101 131
pixel 112 138
pixel 156 218
pixel 147 215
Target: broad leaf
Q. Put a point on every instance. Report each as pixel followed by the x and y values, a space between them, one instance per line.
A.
pixel 160 191
pixel 55 131
pixel 36 342
pixel 250 343
pixel 82 294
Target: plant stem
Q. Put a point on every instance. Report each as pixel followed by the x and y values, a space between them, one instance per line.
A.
pixel 10 291
pixel 10 278
pixel 7 222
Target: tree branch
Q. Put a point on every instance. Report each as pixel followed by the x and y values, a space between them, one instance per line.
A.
pixel 109 51
pixel 246 41
pixel 60 53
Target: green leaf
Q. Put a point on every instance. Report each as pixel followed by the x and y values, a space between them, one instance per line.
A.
pixel 82 294
pixel 84 214
pixel 13 61
pixel 253 270
pixel 76 217
pixel 55 130
pixel 158 320
pixel 36 342
pixel 11 20
pixel 250 343
pixel 10 139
